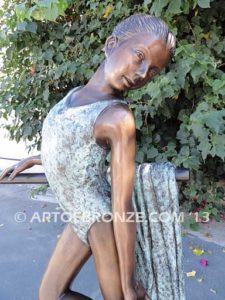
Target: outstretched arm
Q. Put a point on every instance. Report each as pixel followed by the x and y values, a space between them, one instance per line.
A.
pixel 22 165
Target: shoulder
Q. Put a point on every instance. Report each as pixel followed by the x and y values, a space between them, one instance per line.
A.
pixel 115 121
pixel 115 116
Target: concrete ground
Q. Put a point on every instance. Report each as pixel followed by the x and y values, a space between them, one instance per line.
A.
pixel 26 244
pixel 27 240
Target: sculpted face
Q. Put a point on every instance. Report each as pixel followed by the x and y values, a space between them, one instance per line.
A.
pixel 134 62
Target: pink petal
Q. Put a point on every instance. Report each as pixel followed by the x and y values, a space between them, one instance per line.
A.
pixel 204 262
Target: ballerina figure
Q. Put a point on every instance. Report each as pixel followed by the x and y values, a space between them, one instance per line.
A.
pixel 77 134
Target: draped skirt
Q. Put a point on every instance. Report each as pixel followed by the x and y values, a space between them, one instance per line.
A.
pixel 158 251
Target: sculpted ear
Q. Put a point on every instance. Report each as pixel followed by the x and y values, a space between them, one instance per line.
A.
pixel 110 44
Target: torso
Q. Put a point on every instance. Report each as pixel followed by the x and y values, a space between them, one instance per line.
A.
pixel 76 100
pixel 74 162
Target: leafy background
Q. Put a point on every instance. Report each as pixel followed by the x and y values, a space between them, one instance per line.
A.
pixel 50 46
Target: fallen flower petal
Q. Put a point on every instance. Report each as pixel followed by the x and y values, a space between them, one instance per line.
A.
pixel 191 274
pixel 204 262
pixel 213 291
pixel 200 279
pixel 198 251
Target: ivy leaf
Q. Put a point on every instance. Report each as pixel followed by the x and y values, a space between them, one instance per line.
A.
pixel 32 27
pixel 138 122
pixel 44 3
pixel 51 13
pixel 214 211
pixel 38 14
pixel 146 2
pixel 158 6
pixel 140 156
pixel 196 72
pixel 48 54
pixel 21 11
pixel 219 86
pixel 220 146
pixel 46 94
pixel 22 26
pixel 205 148
pixel 215 120
pixel 174 7
pixel 152 152
pixel 204 3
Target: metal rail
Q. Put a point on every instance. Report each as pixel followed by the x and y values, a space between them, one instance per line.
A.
pixel 181 174
pixel 9 158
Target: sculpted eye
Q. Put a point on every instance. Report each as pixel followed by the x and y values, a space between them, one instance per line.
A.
pixel 140 55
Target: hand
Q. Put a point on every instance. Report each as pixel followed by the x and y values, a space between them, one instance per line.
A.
pixel 130 294
pixel 138 293
pixel 22 165
pixel 141 292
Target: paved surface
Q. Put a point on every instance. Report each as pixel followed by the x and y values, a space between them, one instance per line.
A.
pixel 26 246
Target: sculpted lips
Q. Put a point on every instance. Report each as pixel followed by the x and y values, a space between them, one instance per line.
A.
pixel 129 83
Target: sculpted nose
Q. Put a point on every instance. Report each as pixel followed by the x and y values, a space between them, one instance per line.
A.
pixel 143 71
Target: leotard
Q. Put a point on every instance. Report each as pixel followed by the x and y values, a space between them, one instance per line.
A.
pixel 74 163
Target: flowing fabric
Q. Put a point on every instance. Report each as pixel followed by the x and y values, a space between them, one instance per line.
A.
pixel 158 240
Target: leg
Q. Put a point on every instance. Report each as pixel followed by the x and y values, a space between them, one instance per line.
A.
pixel 68 257
pixel 103 246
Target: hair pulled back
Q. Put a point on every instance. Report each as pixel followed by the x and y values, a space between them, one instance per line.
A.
pixel 145 23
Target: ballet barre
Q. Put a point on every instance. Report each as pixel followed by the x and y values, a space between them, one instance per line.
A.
pixel 181 174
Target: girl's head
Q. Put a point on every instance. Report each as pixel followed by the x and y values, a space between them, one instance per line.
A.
pixel 139 48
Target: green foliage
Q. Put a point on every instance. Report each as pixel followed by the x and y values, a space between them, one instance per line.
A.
pixel 50 46
pixel 40 10
pixel 39 190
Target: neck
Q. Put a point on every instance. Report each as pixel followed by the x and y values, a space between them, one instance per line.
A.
pixel 98 84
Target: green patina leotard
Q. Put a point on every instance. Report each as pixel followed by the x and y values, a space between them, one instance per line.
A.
pixel 75 164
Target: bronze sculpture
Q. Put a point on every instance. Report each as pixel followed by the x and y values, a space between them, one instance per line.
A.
pixel 139 48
